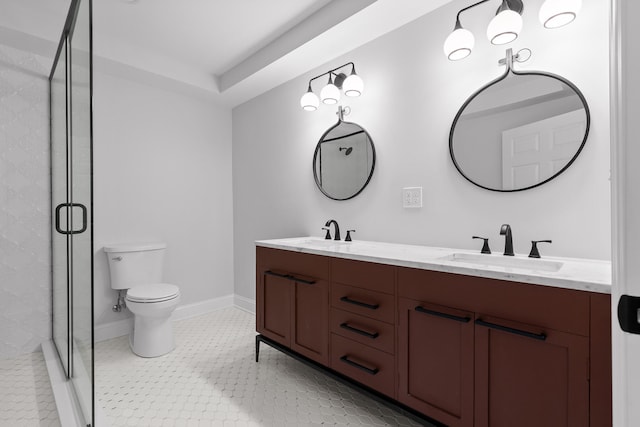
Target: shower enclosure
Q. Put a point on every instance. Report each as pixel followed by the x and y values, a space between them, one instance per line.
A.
pixel 70 86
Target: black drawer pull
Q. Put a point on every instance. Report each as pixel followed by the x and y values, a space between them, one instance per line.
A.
pixel 540 337
pixel 421 309
pixel 290 277
pixel 305 281
pixel 369 371
pixel 360 303
pixel 348 327
pixel 273 273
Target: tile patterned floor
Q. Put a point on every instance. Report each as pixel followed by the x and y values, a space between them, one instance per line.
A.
pixel 211 379
pixel 26 398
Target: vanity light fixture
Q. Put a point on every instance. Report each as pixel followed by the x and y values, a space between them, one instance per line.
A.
pixel 507 24
pixel 351 85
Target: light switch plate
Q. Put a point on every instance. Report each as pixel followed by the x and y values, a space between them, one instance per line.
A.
pixel 412 197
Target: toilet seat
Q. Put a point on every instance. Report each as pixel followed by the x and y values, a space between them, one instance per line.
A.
pixel 151 293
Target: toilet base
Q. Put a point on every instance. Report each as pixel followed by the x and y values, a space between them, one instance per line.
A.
pixel 152 337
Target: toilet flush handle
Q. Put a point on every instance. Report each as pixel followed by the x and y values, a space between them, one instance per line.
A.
pixel 118 258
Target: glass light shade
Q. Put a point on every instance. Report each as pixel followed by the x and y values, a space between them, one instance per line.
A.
pixel 309 101
pixel 504 27
pixel 353 85
pixel 557 13
pixel 330 94
pixel 459 44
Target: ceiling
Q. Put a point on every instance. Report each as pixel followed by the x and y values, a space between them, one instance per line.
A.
pixel 233 49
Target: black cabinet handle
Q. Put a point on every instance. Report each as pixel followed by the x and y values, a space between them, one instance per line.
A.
pixel 290 277
pixel 348 327
pixel 305 281
pixel 272 273
pixel 360 303
pixel 421 309
pixel 369 371
pixel 540 337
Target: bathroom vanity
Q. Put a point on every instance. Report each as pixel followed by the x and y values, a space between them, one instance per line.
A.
pixel 462 338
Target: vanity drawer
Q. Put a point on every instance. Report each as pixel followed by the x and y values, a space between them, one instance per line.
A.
pixel 367 275
pixel 564 310
pixel 364 330
pixel 309 265
pixel 364 364
pixel 367 303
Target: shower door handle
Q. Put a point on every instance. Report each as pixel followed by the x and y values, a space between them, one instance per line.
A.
pixel 71 205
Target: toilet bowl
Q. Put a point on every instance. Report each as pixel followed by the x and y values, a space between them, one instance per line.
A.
pixel 138 269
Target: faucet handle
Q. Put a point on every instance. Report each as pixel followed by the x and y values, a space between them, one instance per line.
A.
pixel 485 246
pixel 328 235
pixel 534 248
pixel 348 238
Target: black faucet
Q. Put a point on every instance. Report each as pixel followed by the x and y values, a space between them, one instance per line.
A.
pixel 505 231
pixel 334 222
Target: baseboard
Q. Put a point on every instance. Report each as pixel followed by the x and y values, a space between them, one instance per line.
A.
pixel 243 303
pixel 107 331
pixel 202 307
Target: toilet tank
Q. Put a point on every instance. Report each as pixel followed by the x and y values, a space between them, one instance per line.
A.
pixel 135 264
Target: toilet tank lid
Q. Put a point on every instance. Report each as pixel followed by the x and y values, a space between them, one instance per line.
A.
pixel 135 247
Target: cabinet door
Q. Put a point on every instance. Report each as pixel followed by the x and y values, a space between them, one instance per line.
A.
pixel 311 319
pixel 274 298
pixel 436 361
pixel 528 377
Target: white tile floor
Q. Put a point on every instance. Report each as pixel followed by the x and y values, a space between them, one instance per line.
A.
pixel 212 379
pixel 26 398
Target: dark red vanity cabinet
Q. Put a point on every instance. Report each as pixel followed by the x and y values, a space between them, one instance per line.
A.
pixel 463 350
pixel 292 304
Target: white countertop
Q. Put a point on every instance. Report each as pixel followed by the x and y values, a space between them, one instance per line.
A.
pixel 572 273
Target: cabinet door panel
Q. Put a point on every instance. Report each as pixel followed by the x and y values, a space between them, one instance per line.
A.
pixel 532 382
pixel 311 326
pixel 276 308
pixel 436 361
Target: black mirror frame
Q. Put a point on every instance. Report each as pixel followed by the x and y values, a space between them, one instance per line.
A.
pixel 499 79
pixel 315 155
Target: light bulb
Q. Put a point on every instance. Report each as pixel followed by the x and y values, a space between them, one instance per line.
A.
pixel 309 101
pixel 504 27
pixel 353 85
pixel 459 44
pixel 330 94
pixel 557 13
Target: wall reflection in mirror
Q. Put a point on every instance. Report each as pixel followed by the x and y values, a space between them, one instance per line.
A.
pixel 519 131
pixel 344 161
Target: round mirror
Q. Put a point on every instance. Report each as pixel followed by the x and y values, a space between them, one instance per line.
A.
pixel 519 131
pixel 344 160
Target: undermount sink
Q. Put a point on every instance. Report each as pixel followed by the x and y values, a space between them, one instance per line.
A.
pixel 505 261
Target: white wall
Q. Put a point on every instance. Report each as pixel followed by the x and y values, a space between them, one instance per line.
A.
pixel 162 172
pixel 25 260
pixel 412 93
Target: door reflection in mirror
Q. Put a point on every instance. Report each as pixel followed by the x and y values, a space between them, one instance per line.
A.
pixel 519 131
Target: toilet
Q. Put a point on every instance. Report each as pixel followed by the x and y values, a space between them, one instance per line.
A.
pixel 138 269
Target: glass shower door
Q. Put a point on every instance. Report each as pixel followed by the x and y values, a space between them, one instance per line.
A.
pixel 71 195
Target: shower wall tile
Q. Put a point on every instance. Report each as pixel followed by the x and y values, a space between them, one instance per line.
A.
pixel 25 283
